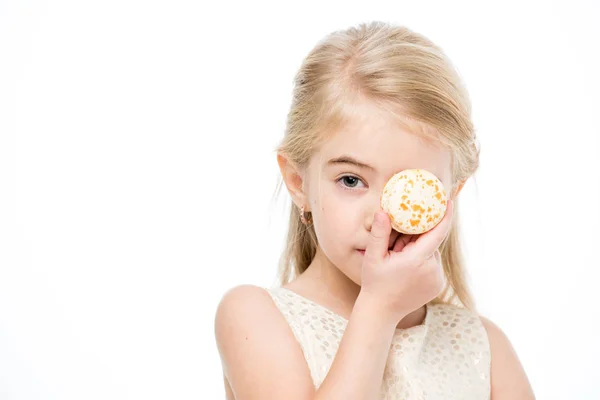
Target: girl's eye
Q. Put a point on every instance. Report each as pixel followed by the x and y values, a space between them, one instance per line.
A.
pixel 349 181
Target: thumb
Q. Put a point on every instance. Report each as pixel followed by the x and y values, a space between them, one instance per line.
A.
pixel 377 248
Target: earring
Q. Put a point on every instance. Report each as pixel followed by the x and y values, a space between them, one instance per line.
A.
pixel 304 220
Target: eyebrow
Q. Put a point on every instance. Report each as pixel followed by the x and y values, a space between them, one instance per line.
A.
pixel 345 159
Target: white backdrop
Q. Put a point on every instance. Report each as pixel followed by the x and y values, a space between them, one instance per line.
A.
pixel 137 169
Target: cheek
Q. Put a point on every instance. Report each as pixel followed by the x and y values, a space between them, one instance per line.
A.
pixel 335 220
pixel 327 208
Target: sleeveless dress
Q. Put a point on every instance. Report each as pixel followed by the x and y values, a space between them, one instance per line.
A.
pixel 445 358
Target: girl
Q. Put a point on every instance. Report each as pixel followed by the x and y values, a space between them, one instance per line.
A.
pixel 364 312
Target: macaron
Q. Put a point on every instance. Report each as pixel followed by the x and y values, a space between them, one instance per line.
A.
pixel 415 200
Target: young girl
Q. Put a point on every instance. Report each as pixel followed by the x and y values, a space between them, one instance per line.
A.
pixel 364 312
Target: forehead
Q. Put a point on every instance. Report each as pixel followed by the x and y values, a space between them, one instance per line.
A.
pixel 389 147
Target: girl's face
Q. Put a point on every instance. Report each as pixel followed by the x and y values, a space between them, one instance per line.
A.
pixel 345 178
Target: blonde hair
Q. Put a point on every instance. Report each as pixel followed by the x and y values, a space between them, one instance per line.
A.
pixel 403 73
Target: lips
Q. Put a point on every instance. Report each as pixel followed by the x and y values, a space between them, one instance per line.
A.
pixel 363 251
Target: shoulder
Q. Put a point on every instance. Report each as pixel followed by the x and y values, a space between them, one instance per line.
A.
pixel 509 380
pixel 258 350
pixel 242 304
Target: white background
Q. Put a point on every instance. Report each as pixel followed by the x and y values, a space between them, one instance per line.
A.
pixel 137 169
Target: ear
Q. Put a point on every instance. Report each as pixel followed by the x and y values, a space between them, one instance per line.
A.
pixel 458 188
pixel 293 178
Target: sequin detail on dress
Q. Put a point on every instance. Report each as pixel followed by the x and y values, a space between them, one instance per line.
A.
pixel 445 358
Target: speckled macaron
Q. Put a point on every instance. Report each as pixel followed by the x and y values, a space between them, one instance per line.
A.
pixel 415 200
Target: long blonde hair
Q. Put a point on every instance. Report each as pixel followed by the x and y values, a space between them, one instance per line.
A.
pixel 403 73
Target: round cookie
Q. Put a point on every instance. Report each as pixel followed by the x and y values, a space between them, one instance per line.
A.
pixel 415 200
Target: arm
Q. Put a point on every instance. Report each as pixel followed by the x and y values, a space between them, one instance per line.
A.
pixel 357 370
pixel 262 360
pixel 259 354
pixel 228 392
pixel 508 378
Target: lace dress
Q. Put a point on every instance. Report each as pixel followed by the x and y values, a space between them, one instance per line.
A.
pixel 447 357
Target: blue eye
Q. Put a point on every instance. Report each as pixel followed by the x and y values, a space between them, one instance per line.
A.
pixel 349 181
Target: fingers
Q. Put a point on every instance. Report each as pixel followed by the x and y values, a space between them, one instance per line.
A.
pixel 377 248
pixel 428 242
pixel 403 241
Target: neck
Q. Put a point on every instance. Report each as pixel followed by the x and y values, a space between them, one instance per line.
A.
pixel 329 285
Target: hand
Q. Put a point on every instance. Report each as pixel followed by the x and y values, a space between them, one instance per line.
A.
pixel 410 275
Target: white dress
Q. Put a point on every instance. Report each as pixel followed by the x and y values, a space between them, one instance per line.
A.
pixel 445 358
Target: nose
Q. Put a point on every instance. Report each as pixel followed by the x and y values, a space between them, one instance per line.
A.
pixel 370 211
